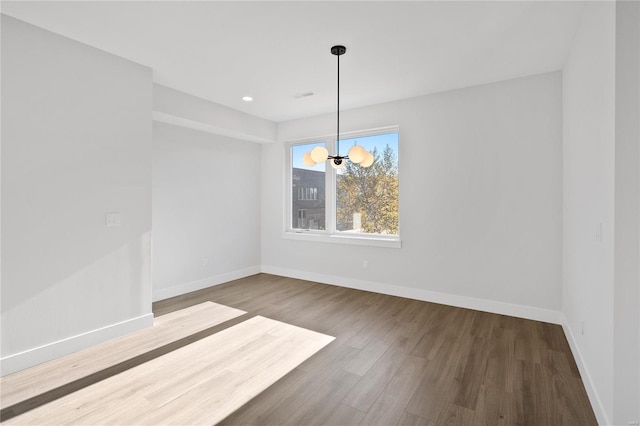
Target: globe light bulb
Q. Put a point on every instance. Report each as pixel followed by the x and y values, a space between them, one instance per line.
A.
pixel 338 166
pixel 356 154
pixel 306 159
pixel 368 160
pixel 319 154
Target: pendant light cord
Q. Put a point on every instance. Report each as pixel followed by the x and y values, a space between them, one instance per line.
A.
pixel 338 125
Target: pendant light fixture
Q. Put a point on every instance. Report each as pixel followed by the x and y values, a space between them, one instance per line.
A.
pixel 357 154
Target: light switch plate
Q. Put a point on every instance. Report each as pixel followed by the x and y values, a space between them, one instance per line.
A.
pixel 113 219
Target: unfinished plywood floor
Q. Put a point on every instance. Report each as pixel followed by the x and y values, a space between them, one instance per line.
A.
pixel 198 384
pixel 401 361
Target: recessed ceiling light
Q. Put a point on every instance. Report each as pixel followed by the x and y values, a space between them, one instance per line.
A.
pixel 247 98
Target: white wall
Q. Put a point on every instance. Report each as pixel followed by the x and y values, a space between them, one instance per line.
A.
pixel 76 144
pixel 626 359
pixel 206 209
pixel 601 180
pixel 480 200
pixel 588 200
pixel 175 107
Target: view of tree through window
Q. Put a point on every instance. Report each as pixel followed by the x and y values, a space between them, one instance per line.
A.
pixel 367 198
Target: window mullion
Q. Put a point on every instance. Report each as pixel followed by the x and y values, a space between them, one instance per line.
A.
pixel 330 191
pixel 288 192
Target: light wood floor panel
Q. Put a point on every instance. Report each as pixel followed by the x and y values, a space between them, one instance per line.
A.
pixel 201 383
pixel 22 385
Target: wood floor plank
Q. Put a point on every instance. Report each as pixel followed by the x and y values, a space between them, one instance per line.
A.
pixel 533 394
pixel 528 346
pixel 311 400
pixel 367 357
pixel 501 362
pixel 345 415
pixel 409 419
pixel 390 406
pixel 438 384
pixel 369 388
pixel 455 415
pixel 495 407
pixel 571 399
pixel 472 366
pixel 442 365
pixel 298 391
pixel 321 401
pixel 259 408
pixel 210 379
pixel 22 385
pixel 461 352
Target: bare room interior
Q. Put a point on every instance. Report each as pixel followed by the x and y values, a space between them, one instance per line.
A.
pixel 320 212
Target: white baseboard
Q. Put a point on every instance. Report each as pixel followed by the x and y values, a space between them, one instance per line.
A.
pixel 179 289
pixel 594 397
pixel 29 358
pixel 527 312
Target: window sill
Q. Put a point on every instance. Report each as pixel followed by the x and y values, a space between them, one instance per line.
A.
pixel 373 241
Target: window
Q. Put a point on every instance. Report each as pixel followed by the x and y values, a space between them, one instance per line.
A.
pixel 307 191
pixel 367 198
pixel 302 218
pixel 353 203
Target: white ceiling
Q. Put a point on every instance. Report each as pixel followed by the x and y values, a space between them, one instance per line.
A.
pixel 273 51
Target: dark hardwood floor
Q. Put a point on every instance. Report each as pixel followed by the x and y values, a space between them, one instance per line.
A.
pixel 399 361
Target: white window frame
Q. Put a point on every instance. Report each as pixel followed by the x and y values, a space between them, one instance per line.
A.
pixel 330 234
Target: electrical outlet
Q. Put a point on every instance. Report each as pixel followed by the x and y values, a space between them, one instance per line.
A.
pixel 205 261
pixel 599 232
pixel 365 264
pixel 582 327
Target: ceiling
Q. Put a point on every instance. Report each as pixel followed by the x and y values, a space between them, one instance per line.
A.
pixel 275 51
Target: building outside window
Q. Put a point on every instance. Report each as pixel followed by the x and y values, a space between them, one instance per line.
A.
pixel 302 218
pixel 307 193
